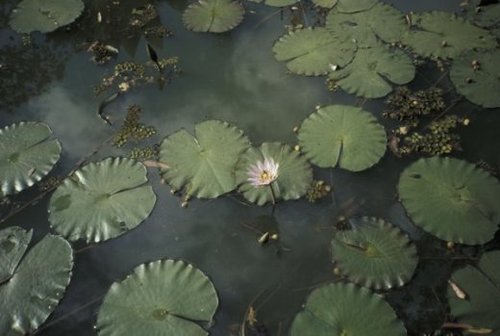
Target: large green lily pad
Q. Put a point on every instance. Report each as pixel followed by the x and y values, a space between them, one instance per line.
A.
pixel 203 165
pixel 44 16
pixel 345 309
pixel 162 298
pixel 325 3
pixel 476 75
pixel 481 286
pixel 353 6
pixel 367 28
pixel 13 244
pixel 344 136
pixel 313 52
pixel 374 254
pixel 444 35
pixel 36 286
pixel 294 173
pixel 373 69
pixel 102 200
pixel 276 3
pixel 214 16
pixel 451 199
pixel 27 154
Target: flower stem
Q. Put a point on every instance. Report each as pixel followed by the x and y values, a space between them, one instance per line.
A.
pixel 273 195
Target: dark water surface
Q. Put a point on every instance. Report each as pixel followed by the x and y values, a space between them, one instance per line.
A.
pixel 232 77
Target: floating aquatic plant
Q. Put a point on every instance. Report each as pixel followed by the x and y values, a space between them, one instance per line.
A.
pixel 353 6
pixel 343 136
pixel 263 172
pixel 276 3
pixel 102 200
pixel 34 285
pixel 213 16
pixel 318 190
pixel 163 297
pixel 28 152
pixel 132 129
pixel 345 309
pixel 451 199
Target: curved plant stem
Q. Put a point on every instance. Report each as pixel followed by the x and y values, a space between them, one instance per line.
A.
pixel 273 196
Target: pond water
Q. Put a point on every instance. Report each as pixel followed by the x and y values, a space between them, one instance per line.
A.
pixel 233 77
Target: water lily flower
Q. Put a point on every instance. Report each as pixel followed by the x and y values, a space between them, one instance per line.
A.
pixel 263 172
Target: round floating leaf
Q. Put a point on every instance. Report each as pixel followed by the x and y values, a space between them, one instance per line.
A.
pixel 481 287
pixel 478 83
pixel 345 309
pixel 366 28
pixel 346 136
pixel 203 165
pixel 162 298
pixel 352 6
pixel 325 3
pixel 102 200
pixel 13 243
pixel 27 154
pixel 33 292
pixel 488 16
pixel 214 16
pixel 312 51
pixel 294 173
pixel 276 3
pixel 451 199
pixel 371 70
pixel 444 35
pixel 44 16
pixel 375 254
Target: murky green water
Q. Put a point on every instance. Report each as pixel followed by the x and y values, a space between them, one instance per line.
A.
pixel 232 77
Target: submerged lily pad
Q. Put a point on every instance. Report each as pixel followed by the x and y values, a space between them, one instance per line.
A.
pixel 353 6
pixel 294 173
pixel 162 298
pixel 312 51
pixel 27 154
pixel 345 309
pixel 451 199
pixel 13 243
pixel 214 16
pixel 203 165
pixel 102 200
pixel 36 286
pixel 481 287
pixel 373 69
pixel 344 136
pixel 476 75
pixel 375 254
pixel 444 35
pixel 44 16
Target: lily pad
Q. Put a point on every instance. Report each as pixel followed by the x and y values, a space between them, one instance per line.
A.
pixel 313 51
pixel 276 3
pixel 203 165
pixel 345 309
pixel 375 254
pixel 13 244
pixel 367 28
pixel 372 70
pixel 481 287
pixel 214 16
pixel 102 200
pixel 353 6
pixel 162 298
pixel 325 3
pixel 344 136
pixel 294 173
pixel 444 35
pixel 44 16
pixel 35 288
pixel 451 199
pixel 476 75
pixel 27 154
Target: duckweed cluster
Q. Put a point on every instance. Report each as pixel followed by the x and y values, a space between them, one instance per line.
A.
pixel 141 16
pixel 318 190
pixel 408 106
pixel 157 32
pixel 132 129
pixel 49 183
pixel 101 53
pixel 145 153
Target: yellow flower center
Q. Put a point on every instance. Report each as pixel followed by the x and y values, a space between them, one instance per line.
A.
pixel 264 176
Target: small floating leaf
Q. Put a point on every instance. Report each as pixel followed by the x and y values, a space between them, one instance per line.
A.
pixel 451 199
pixel 13 243
pixel 294 173
pixel 344 136
pixel 312 52
pixel 37 285
pixel 102 200
pixel 345 309
pixel 353 6
pixel 481 284
pixel 371 71
pixel 27 154
pixel 476 75
pixel 214 16
pixel 203 165
pixel 44 16
pixel 164 297
pixel 375 254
